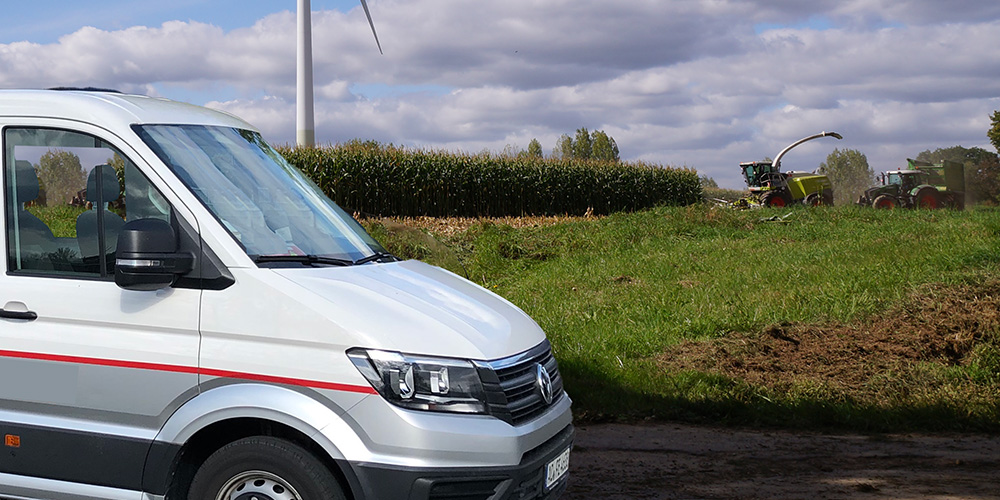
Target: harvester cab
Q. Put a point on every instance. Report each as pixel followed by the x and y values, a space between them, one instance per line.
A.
pixel 770 187
pixel 760 174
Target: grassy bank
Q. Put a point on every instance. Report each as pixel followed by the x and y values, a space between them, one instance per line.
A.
pixel 640 308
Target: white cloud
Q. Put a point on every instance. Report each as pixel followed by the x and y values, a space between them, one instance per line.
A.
pixel 918 12
pixel 682 83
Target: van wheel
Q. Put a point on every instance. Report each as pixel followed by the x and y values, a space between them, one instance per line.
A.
pixel 264 468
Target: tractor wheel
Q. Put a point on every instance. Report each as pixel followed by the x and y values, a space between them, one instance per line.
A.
pixel 813 200
pixel 774 199
pixel 885 201
pixel 928 197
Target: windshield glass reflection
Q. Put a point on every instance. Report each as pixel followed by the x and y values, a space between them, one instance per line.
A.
pixel 266 204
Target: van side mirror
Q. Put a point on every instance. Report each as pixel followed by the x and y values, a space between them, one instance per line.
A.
pixel 147 256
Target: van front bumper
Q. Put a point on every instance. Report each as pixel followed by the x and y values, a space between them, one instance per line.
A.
pixel 524 481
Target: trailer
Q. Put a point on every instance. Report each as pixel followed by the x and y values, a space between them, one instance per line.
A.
pixel 921 185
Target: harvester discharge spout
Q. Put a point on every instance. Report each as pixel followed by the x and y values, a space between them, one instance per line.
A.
pixel 777 159
pixel 770 188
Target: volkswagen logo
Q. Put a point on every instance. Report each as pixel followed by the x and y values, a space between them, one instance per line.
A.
pixel 544 383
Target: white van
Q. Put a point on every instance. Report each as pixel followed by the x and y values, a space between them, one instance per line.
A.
pixel 185 315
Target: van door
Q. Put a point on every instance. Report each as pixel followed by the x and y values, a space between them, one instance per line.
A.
pixel 89 372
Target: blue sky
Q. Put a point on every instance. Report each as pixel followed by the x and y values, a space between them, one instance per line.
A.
pixel 685 83
pixel 47 20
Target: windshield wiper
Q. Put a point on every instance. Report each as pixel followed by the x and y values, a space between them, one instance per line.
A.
pixel 303 259
pixel 374 257
pixel 318 259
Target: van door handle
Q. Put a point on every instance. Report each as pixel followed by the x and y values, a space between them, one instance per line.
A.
pixel 25 315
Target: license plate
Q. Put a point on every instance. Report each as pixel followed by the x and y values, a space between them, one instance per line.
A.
pixel 556 469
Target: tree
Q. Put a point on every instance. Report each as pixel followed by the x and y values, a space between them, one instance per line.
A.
pixel 982 170
pixel 511 151
pixel 118 163
pixel 534 149
pixel 604 147
pixel 62 175
pixel 983 181
pixel 849 173
pixel 968 156
pixel 586 145
pixel 564 148
pixel 708 182
pixel 583 145
pixel 994 132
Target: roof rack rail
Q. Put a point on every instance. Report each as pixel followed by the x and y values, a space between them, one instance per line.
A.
pixel 86 89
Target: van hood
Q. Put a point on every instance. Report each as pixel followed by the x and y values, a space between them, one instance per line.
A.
pixel 416 308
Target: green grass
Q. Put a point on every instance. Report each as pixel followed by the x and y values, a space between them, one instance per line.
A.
pixel 636 283
pixel 614 293
pixel 61 219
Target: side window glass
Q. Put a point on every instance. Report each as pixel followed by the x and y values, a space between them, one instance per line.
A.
pixel 68 195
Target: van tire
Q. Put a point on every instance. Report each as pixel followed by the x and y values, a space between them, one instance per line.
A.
pixel 272 468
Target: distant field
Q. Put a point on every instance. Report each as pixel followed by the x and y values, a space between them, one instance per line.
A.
pixel 710 314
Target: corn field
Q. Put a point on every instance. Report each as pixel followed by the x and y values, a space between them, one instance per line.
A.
pixel 380 180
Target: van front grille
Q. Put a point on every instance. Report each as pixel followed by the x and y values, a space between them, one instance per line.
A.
pixel 512 387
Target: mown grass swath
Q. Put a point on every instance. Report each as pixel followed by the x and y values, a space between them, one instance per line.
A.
pixel 385 180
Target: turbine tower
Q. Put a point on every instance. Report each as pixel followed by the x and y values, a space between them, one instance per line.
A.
pixel 305 123
pixel 305 126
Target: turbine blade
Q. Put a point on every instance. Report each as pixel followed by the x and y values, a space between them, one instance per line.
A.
pixel 372 24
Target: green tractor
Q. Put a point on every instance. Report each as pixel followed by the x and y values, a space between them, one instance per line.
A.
pixel 922 185
pixel 770 187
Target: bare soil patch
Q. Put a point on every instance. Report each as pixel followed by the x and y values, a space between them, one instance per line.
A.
pixel 938 324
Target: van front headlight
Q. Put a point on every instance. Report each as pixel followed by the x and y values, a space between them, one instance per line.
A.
pixel 422 382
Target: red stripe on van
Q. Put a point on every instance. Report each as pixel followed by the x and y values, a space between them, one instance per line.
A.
pixel 315 384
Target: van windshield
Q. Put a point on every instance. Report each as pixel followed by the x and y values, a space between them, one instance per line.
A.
pixel 278 215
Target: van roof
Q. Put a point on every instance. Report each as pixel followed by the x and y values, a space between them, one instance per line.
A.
pixel 110 109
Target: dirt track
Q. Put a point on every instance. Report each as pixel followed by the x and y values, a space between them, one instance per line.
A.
pixel 672 461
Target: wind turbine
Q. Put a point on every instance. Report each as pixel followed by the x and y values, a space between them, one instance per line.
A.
pixel 305 133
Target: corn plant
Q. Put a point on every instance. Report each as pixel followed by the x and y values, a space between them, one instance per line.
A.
pixel 386 180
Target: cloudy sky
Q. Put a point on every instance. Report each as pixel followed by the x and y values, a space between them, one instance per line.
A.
pixel 699 83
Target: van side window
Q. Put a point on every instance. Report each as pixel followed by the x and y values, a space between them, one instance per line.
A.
pixel 68 195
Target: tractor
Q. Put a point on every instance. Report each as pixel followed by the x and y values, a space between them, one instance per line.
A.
pixel 923 185
pixel 770 187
